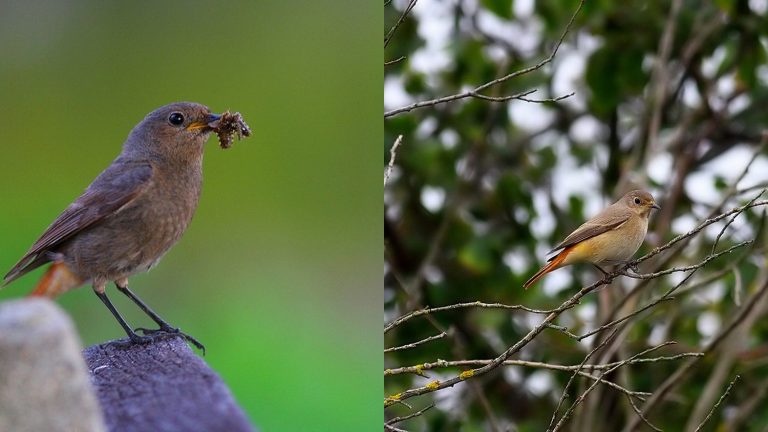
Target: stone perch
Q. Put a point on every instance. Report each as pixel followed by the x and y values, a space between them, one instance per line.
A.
pixel 45 384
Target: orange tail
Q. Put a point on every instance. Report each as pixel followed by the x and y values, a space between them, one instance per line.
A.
pixel 57 280
pixel 553 264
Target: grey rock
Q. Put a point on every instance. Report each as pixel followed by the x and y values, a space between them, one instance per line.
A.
pixel 44 383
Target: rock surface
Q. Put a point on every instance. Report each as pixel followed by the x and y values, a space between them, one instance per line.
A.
pixel 44 384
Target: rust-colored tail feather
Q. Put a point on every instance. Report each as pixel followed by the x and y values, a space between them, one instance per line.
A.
pixel 553 264
pixel 57 280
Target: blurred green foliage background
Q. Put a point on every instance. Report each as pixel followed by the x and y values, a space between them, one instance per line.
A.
pixel 281 265
pixel 481 191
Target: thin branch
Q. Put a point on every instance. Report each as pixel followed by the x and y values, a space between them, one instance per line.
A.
pixel 437 385
pixel 392 156
pixel 660 78
pixel 683 370
pixel 704 262
pixel 568 304
pixel 730 221
pixel 520 96
pixel 410 416
pixel 415 344
pixel 620 320
pixel 400 20
pixel 761 185
pixel 706 280
pixel 573 377
pixel 683 240
pixel 391 62
pixel 476 304
pixel 556 99
pixel 694 231
pixel 582 396
pixel 717 404
pixel 563 330
pixel 640 414
pixel 476 91
pixel 419 369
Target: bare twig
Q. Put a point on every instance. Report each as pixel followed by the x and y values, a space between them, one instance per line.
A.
pixel 392 156
pixel 704 262
pixel 733 218
pixel 397 60
pixel 698 228
pixel 683 370
pixel 620 320
pixel 435 386
pixel 717 404
pixel 573 377
pixel 568 304
pixel 640 414
pixel 582 396
pixel 660 76
pixel 393 429
pixel 477 90
pixel 409 416
pixel 415 344
pixel 476 304
pixel 419 369
pixel 400 20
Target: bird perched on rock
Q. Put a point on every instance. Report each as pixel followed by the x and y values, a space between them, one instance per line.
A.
pixel 611 237
pixel 133 212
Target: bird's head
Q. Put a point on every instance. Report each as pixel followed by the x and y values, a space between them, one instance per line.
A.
pixel 640 202
pixel 177 130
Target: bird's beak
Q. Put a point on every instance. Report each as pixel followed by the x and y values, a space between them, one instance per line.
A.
pixel 656 206
pixel 211 122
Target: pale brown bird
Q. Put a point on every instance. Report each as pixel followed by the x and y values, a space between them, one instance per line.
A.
pixel 611 237
pixel 132 213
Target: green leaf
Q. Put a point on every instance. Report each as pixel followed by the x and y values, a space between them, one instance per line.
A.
pixel 477 256
pixel 502 8
pixel 613 74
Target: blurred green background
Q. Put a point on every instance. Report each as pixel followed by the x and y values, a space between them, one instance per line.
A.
pixel 279 273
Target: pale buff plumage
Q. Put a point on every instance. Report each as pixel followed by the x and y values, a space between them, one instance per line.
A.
pixel 612 236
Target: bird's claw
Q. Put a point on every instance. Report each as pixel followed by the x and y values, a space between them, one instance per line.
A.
pixel 133 339
pixel 169 331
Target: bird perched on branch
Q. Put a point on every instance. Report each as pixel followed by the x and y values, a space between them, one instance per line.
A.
pixel 611 237
pixel 133 212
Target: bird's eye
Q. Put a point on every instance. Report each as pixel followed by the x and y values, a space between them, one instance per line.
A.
pixel 176 118
pixel 637 200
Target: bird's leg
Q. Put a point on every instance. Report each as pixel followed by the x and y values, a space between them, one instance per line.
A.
pixel 605 273
pixel 632 265
pixel 131 334
pixel 164 326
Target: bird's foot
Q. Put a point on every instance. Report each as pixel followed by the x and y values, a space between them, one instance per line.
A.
pixel 133 339
pixel 632 265
pixel 168 331
pixel 605 273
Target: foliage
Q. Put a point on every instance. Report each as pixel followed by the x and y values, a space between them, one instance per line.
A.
pixel 668 97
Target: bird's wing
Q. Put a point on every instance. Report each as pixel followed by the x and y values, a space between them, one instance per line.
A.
pixel 114 188
pixel 607 220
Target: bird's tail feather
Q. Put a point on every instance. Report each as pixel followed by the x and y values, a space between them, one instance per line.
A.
pixel 553 264
pixel 25 265
pixel 57 280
